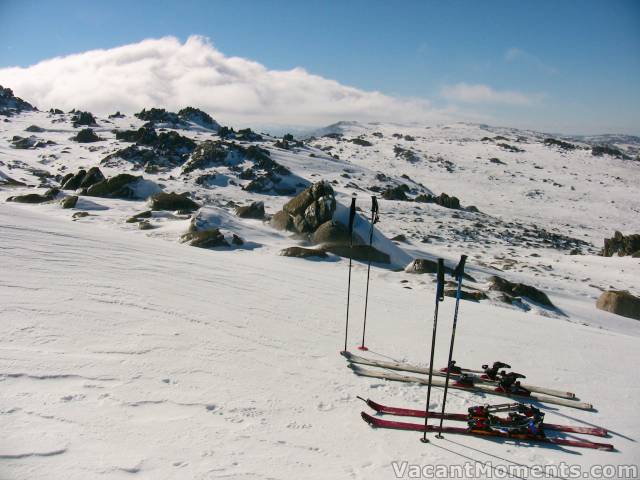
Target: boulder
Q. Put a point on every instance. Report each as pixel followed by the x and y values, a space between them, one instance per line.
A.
pixel 47 196
pixel 145 225
pixel 362 253
pixel 621 245
pixel 205 238
pixel 520 290
pixel 332 232
pixel 69 202
pixel 119 186
pixel 173 201
pixel 474 296
pixel 398 192
pixel 424 265
pixel 281 221
pixel 93 176
pixel 34 129
pixel 310 209
pixel 620 302
pixel 255 210
pixel 72 182
pixel 83 118
pixel 86 135
pixel 138 217
pixel 300 252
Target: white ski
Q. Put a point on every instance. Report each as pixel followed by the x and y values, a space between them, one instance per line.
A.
pixel 439 382
pixel 406 367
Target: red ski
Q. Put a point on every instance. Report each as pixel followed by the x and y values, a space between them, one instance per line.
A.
pixel 380 423
pixel 463 417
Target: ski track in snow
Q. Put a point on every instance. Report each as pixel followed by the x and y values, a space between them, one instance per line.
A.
pixel 125 354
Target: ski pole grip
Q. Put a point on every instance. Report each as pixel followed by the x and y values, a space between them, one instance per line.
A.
pixel 440 280
pixel 352 214
pixel 459 271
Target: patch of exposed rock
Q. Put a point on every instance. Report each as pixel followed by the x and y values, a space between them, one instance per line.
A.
pixel 620 302
pixel 622 245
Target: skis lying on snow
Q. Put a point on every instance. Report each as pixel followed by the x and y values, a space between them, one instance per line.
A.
pixel 473 378
pixel 463 417
pixel 439 382
pixel 380 423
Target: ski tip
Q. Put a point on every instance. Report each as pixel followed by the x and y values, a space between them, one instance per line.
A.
pixel 367 418
pixel 345 353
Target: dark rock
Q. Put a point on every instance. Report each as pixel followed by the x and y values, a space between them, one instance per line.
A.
pixel 29 198
pixel 301 252
pixel 621 245
pixel 255 210
pixel 80 215
pixel 281 221
pixel 497 161
pixel 8 181
pixel 34 129
pixel 332 232
pixel 474 296
pixel 599 150
pixel 73 183
pixel 116 115
pixel 308 210
pixel 400 238
pixel 119 186
pixel 83 118
pixel 197 116
pixel 24 143
pixel 86 135
pixel 205 238
pixel 520 290
pixel 10 104
pixel 172 202
pixel 145 225
pixel 449 202
pixel 620 303
pixel 510 148
pixel 69 202
pixel 559 143
pixel 424 265
pixel 396 193
pixel 362 253
pixel 236 240
pixel 93 176
pixel 361 142
pixel 140 216
pixel 161 116
pixel 207 154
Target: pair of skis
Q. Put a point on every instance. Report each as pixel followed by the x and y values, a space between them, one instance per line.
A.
pixel 477 378
pixel 415 427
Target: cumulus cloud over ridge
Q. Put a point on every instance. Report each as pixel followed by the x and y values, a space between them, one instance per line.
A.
pixel 167 73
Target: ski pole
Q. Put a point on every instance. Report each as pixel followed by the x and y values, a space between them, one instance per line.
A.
pixel 374 220
pixel 439 298
pixel 352 216
pixel 457 273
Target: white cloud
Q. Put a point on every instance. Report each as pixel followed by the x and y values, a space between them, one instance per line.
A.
pixel 167 73
pixel 479 93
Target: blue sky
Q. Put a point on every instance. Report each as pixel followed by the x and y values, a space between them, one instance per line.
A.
pixel 575 64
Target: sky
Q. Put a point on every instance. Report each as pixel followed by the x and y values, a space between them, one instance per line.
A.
pixel 558 66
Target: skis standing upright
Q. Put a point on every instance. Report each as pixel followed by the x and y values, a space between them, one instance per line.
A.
pixel 374 219
pixel 458 274
pixel 352 217
pixel 439 298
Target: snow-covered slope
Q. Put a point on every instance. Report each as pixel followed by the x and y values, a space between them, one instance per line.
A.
pixel 127 353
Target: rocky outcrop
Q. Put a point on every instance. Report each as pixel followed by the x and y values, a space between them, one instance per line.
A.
pixel 308 210
pixel 48 196
pixel 122 186
pixel 332 232
pixel 10 104
pixel 83 118
pixel 69 202
pixel 254 210
pixel 620 302
pixel 205 239
pixel 197 116
pixel 512 290
pixel 361 253
pixel 159 116
pixel 151 150
pixel 300 252
pixel 82 179
pixel 86 135
pixel 173 202
pixel 24 143
pixel 622 245
pixel 600 150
